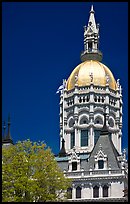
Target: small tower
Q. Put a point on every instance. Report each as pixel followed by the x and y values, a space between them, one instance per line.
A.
pixel 91 40
pixel 7 140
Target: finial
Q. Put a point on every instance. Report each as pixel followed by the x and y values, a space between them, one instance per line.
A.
pixel 62 152
pixel 100 147
pixel 104 130
pixel 92 11
pixel 118 83
pixel 124 153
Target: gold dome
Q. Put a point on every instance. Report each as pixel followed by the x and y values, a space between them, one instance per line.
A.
pixel 99 71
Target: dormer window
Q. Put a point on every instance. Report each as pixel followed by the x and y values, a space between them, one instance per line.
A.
pixel 100 164
pixel 101 159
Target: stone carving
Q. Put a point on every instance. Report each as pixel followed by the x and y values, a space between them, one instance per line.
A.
pixel 107 78
pixel 91 76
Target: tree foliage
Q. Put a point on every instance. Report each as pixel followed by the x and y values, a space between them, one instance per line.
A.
pixel 31 173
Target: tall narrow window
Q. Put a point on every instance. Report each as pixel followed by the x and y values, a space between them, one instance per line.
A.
pixel 72 142
pixel 84 138
pixel 69 193
pixel 105 191
pixel 90 46
pixel 74 166
pixel 96 192
pixel 78 192
pixel 96 135
pixel 100 164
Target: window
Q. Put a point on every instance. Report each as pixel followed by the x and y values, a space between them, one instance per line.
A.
pixel 74 166
pixel 96 192
pixel 72 142
pixel 100 164
pixel 105 191
pixel 78 192
pixel 90 46
pixel 69 193
pixel 96 135
pixel 84 138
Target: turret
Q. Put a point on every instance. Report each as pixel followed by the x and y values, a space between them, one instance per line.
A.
pixel 91 40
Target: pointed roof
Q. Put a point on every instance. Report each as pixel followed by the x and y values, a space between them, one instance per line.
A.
pixel 91 21
pixel 62 152
pixel 4 128
pixel 105 143
pixel 104 130
pixel 7 138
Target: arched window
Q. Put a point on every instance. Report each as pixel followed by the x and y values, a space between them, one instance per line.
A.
pixel 78 192
pixel 71 122
pixel 69 193
pixel 84 120
pixel 99 99
pixel 80 100
pixel 83 99
pixel 72 142
pixel 96 192
pixel 95 98
pixel 84 138
pixel 105 191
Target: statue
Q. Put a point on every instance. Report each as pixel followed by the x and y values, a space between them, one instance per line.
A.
pixel 118 83
pixel 76 78
pixel 91 76
pixel 107 78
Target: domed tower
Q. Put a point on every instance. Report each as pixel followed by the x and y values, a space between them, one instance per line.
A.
pixel 91 127
pixel 90 91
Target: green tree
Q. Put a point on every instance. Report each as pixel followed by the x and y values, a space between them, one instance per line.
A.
pixel 31 173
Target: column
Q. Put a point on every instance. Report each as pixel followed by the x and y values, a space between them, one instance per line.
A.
pixel 100 191
pixel 109 190
pixel 91 190
pixel 73 191
pixel 82 191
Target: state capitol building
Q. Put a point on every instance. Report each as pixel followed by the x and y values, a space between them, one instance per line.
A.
pixel 91 127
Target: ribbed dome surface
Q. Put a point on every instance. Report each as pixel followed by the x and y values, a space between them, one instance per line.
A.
pixel 99 72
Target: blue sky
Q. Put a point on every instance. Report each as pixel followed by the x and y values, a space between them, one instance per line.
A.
pixel 41 45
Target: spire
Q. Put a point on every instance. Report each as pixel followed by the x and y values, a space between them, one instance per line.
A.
pixel 8 134
pixel 7 138
pixel 4 127
pixel 92 19
pixel 62 152
pixel 92 11
pixel 91 40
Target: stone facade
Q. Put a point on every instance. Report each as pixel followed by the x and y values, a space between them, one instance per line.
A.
pixel 91 127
